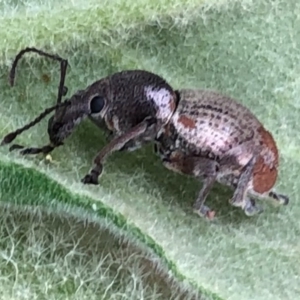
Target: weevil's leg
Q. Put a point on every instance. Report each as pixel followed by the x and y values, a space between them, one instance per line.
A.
pixel 198 206
pixel 146 137
pixel 244 155
pixel 115 145
pixel 240 194
pixel 155 149
pixel 199 167
pixel 279 198
pixel 251 208
pixel 131 146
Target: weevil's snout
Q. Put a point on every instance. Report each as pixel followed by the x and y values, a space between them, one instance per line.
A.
pixel 54 132
pixel 62 124
pixel 60 128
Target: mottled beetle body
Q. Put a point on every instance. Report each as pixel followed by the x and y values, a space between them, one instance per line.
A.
pixel 198 133
pixel 215 137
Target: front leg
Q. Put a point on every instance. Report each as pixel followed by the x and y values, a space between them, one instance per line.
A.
pixel 131 146
pixel 198 167
pixel 115 145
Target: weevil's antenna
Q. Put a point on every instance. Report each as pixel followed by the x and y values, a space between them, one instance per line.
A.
pixel 62 89
pixel 45 149
pixel 11 136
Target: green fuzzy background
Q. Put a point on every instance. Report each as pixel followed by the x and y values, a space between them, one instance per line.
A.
pixel 246 49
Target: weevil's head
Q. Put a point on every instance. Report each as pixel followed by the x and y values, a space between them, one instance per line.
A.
pixel 89 102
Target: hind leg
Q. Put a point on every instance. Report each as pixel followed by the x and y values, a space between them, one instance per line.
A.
pixel 279 198
pixel 250 206
pixel 240 193
pixel 198 206
pixel 200 168
pixel 242 156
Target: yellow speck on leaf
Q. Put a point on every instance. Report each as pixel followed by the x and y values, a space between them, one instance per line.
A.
pixel 49 157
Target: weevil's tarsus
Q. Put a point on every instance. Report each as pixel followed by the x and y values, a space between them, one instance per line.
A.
pixel 62 89
pixel 205 212
pixel 252 208
pixel 115 145
pixel 279 198
pixel 208 183
pixel 92 177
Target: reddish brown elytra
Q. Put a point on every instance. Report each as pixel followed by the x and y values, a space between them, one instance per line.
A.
pixel 215 138
pixel 131 105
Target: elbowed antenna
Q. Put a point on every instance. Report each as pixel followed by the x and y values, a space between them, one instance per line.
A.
pixel 62 89
pixel 45 149
pixel 11 136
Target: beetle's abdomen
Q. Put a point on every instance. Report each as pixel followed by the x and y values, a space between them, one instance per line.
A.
pixel 266 168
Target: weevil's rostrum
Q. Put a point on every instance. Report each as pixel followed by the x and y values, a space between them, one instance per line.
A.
pixel 214 136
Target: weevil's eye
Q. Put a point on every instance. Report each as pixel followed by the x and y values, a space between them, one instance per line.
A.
pixel 97 104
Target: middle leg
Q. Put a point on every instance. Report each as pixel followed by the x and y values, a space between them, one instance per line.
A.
pixel 198 167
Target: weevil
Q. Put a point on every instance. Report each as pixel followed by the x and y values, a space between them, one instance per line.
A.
pixel 215 138
pixel 130 105
pixel 197 133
